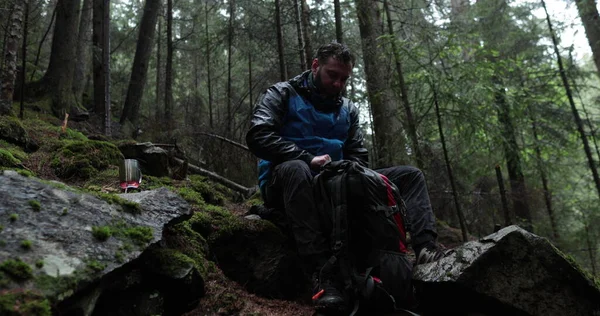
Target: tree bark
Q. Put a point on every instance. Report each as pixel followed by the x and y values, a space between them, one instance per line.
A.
pixel 588 12
pixel 158 93
pixel 507 220
pixel 169 70
pixel 298 14
pixel 306 32
pixel 9 70
pixel 410 120
pixel 208 74
pixel 58 79
pixel 83 50
pixel 24 61
pixel 387 127
pixel 106 65
pixel 578 122
pixel 280 50
pixel 97 60
pixel 339 31
pixel 139 69
pixel 229 64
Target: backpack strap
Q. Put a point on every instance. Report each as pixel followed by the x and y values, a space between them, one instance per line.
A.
pixel 340 232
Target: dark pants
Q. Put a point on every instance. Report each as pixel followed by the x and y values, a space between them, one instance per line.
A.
pixel 291 190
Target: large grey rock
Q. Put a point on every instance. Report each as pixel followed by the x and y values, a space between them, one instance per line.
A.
pixel 77 266
pixel 153 160
pixel 511 272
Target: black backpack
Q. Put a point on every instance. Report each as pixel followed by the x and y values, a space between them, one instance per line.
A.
pixel 368 223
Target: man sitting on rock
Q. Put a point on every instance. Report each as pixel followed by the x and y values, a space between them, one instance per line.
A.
pixel 298 126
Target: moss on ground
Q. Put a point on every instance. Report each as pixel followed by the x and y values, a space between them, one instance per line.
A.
pixel 7 159
pixel 16 269
pixel 189 242
pixel 169 261
pixel 23 303
pixel 83 159
pixel 126 205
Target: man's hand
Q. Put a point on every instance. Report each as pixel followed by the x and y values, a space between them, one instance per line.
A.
pixel 318 161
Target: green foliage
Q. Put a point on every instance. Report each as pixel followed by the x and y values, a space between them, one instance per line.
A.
pixel 16 269
pixel 7 159
pixel 101 233
pixel 140 235
pixel 65 211
pixel 14 217
pixel 35 205
pixel 25 303
pixel 39 264
pixel 83 159
pixel 95 266
pixel 26 244
pixel 126 205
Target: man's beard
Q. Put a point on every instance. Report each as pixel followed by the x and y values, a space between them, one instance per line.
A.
pixel 320 89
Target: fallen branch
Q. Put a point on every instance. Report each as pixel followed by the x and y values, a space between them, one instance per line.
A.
pixel 217 178
pixel 227 140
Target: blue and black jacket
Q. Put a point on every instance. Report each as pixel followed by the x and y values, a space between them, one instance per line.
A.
pixel 287 124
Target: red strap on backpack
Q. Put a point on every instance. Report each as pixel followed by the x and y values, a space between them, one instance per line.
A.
pixel 397 217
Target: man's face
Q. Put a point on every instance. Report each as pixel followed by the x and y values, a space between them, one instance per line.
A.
pixel 331 76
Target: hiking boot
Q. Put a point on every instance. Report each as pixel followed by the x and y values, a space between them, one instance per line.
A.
pixel 430 253
pixel 327 298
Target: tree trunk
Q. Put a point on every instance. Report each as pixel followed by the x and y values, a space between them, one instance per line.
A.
pixel 339 31
pixel 387 127
pixel 208 74
pixel 588 12
pixel 9 71
pixel 459 213
pixel 169 70
pixel 410 120
pixel 158 93
pixel 139 70
pixel 58 79
pixel 83 50
pixel 39 50
pixel 306 32
pixel 106 65
pixel 563 76
pixel 591 248
pixel 98 48
pixel 229 65
pixel 298 15
pixel 280 50
pixel 513 160
pixel 507 220
pixel 24 61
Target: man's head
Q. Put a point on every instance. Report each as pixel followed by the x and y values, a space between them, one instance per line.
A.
pixel 331 68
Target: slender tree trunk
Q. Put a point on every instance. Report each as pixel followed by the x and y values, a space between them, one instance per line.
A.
pixel 9 71
pixel 298 14
pixel 591 248
pixel 230 65
pixel 280 50
pixel 410 120
pixel 208 74
pixel 24 61
pixel 563 76
pixel 542 171
pixel 39 50
pixel 339 31
pixel 159 96
pixel 58 80
pixel 251 100
pixel 387 127
pixel 513 160
pixel 98 48
pixel 459 213
pixel 588 12
pixel 507 220
pixel 306 32
pixel 83 50
pixel 139 70
pixel 169 69
pixel 106 65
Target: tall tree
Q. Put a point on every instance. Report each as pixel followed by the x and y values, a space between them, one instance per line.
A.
pixel 280 49
pixel 100 72
pixel 588 12
pixel 306 31
pixel 169 70
pixel 298 16
pixel 230 37
pixel 58 79
pixel 83 49
pixel 208 73
pixel 158 88
pixel 339 32
pixel 387 126
pixel 139 69
pixel 9 69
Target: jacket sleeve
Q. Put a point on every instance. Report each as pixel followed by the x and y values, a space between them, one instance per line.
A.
pixel 354 148
pixel 263 138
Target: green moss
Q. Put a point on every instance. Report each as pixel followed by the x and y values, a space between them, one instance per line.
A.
pixel 26 244
pixel 169 261
pixel 73 135
pixel 576 265
pixel 255 199
pixel 214 221
pixel 101 233
pixel 119 257
pixel 39 264
pixel 25 173
pixel 13 217
pixel 57 287
pixel 7 159
pixel 126 205
pixel 151 182
pixel 12 128
pixel 212 193
pixel 14 150
pixel 2 243
pixel 189 242
pixel 35 205
pixel 191 196
pixel 1 228
pixel 65 211
pixel 140 235
pixel 83 159
pixel 21 303
pixel 95 266
pixel 16 269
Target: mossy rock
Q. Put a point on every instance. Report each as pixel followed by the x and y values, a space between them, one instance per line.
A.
pixel 13 131
pixel 212 193
pixel 22 303
pixel 7 159
pixel 83 159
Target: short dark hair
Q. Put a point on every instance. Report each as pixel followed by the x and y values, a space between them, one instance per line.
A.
pixel 336 50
